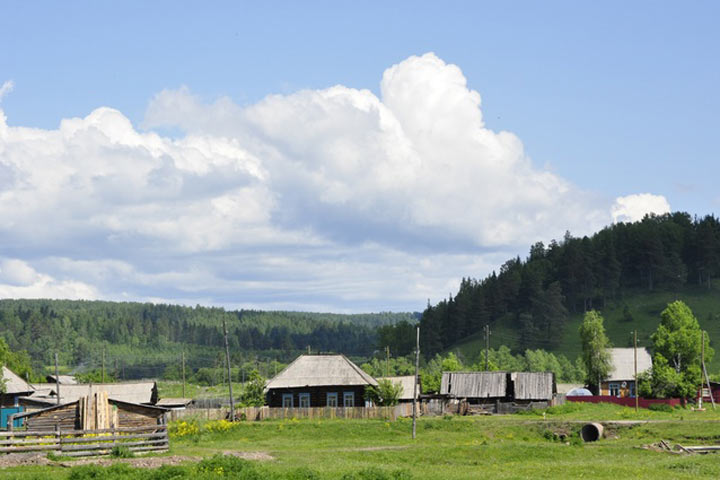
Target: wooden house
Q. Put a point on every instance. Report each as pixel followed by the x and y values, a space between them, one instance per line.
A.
pixel 15 388
pixel 319 381
pixel 621 380
pixel 407 382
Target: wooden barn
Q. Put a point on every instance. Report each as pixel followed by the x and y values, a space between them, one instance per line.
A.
pixel 95 411
pixel 533 386
pixel 319 381
pixel 499 392
pixel 46 394
pixel 475 387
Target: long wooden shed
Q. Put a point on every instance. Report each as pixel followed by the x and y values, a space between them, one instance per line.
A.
pixel 69 416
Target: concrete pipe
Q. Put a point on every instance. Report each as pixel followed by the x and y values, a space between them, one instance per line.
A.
pixel 591 432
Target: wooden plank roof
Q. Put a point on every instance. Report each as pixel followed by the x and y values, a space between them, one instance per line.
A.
pixel 474 384
pixel 132 392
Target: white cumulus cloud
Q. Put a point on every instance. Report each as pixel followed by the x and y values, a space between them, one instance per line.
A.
pixel 331 199
pixel 632 208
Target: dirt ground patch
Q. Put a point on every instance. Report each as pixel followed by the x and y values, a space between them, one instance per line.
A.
pixel 21 459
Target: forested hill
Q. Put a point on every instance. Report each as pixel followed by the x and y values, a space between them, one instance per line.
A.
pixel 532 299
pixel 144 333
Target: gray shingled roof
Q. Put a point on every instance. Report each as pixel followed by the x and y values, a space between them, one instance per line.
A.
pixel 623 362
pixel 320 371
pixel 407 383
pixel 474 384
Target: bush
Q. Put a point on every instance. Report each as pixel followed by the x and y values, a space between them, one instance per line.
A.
pixel 119 451
pixel 228 466
pixel 660 407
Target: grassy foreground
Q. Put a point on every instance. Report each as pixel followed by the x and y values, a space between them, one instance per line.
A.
pixel 507 447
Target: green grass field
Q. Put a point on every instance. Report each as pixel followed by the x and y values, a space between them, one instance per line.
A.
pixel 645 309
pixel 503 447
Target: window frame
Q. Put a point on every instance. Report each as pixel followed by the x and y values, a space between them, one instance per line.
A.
pixel 286 396
pixel 351 396
pixel 331 395
pixel 301 397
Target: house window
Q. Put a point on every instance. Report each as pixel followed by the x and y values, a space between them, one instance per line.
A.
pixel 332 399
pixel 287 400
pixel 614 389
pixel 348 399
pixel 304 400
pixel 632 389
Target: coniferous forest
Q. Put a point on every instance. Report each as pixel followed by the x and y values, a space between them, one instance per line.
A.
pixel 534 296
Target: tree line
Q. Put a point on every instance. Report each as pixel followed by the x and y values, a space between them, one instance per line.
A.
pixel 146 336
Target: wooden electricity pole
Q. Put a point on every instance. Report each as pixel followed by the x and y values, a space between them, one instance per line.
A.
pixel 387 361
pixel 704 371
pixel 637 392
pixel 183 373
pixel 57 380
pixel 103 365
pixel 487 347
pixel 417 376
pixel 227 359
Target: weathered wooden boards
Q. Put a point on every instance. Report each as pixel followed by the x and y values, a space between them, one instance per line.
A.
pixel 87 442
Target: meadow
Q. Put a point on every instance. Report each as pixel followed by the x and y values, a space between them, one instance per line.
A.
pixel 541 444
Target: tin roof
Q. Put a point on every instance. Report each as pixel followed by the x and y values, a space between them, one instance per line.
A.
pixel 407 383
pixel 623 362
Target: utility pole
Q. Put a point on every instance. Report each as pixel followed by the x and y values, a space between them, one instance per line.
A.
pixel 103 365
pixel 417 375
pixel 57 380
pixel 707 379
pixel 227 359
pixel 183 373
pixel 487 347
pixel 637 393
pixel 387 361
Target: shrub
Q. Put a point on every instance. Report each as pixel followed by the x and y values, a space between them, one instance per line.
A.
pixel 119 451
pixel 660 407
pixel 183 429
pixel 229 466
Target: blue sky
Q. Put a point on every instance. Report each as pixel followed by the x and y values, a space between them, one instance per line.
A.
pixel 607 100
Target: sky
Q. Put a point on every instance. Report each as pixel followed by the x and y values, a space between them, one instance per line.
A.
pixel 337 156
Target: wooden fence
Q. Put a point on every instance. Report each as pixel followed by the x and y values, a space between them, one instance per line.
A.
pixel 81 443
pixel 263 413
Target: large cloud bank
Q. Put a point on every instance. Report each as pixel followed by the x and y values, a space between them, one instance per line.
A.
pixel 328 199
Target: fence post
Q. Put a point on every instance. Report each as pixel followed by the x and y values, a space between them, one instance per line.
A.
pixel 59 437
